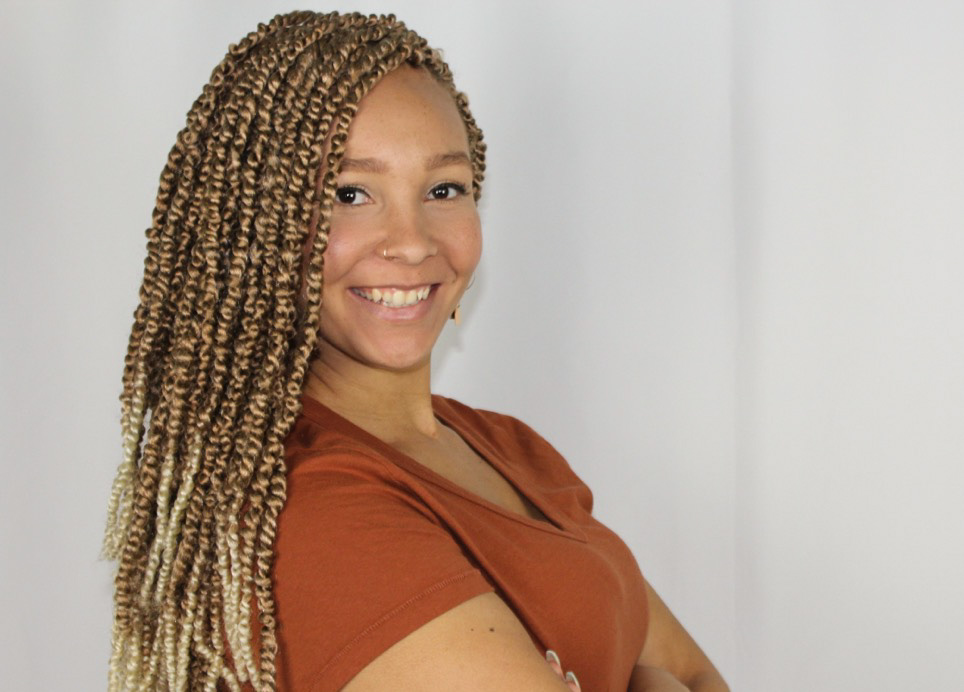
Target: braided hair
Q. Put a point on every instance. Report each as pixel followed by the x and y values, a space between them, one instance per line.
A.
pixel 222 338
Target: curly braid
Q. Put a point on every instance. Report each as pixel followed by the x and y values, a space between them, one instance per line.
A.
pixel 222 338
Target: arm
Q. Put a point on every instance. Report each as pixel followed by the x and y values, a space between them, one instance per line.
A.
pixel 481 645
pixel 670 660
pixel 478 645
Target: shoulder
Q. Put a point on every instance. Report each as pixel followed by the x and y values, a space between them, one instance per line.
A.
pixel 500 426
pixel 363 555
pixel 338 474
pixel 323 444
pixel 512 440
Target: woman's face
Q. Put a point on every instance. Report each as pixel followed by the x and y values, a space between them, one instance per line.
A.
pixel 405 236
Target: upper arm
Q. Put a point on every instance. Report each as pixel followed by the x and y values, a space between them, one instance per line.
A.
pixel 477 645
pixel 670 647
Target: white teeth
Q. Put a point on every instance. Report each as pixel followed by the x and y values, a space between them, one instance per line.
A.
pixel 393 297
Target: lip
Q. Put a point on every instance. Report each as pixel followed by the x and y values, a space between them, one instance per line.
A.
pixel 364 295
pixel 400 287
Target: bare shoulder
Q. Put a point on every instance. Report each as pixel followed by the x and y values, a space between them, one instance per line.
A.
pixel 478 645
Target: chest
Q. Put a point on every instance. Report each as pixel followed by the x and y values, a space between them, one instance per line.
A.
pixel 453 459
pixel 573 583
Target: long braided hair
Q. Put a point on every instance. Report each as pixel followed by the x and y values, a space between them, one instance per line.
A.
pixel 222 339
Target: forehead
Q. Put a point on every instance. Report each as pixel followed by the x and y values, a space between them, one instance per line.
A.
pixel 408 106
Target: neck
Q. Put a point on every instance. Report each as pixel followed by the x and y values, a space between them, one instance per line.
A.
pixel 394 406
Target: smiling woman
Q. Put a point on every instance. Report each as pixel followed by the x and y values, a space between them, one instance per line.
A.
pixel 405 235
pixel 296 510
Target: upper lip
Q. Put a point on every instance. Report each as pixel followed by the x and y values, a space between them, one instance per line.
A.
pixel 397 287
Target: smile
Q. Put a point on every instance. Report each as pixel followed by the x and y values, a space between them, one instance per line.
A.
pixel 394 297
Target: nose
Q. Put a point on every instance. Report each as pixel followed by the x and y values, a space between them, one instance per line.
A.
pixel 409 237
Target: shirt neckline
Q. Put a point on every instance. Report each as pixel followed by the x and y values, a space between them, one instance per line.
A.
pixel 555 523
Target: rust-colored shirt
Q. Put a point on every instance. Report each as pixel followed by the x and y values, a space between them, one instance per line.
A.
pixel 372 545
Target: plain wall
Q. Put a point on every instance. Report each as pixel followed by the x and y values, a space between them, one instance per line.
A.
pixel 849 179
pixel 721 274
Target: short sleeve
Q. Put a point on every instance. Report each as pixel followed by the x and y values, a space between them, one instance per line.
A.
pixel 362 559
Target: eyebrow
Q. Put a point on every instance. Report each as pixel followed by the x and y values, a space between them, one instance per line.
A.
pixel 453 158
pixel 363 165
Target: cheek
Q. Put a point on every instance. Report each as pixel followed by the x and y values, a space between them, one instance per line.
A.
pixel 468 244
pixel 345 249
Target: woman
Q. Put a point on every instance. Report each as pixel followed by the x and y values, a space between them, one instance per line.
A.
pixel 295 509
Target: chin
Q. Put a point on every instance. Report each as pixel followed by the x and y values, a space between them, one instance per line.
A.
pixel 395 360
pixel 402 362
pixel 393 365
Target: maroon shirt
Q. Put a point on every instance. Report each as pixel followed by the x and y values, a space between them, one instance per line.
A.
pixel 372 545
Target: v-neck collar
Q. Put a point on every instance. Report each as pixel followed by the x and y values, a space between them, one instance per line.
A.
pixel 555 522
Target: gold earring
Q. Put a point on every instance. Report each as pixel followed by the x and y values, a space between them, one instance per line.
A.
pixel 457 314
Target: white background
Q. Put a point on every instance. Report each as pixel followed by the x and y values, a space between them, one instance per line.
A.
pixel 723 274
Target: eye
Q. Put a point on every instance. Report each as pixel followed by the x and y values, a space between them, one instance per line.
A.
pixel 351 196
pixel 446 191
